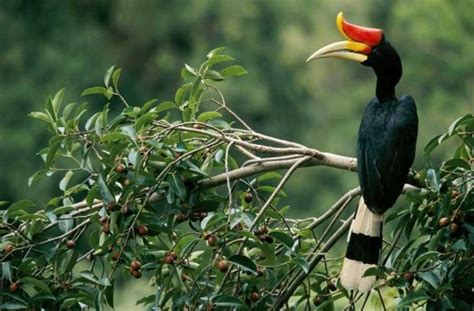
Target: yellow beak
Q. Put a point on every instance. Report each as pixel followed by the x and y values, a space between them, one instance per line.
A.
pixel 350 50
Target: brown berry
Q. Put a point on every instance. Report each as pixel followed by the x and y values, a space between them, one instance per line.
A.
pixel 120 168
pixel 317 301
pixel 180 217
pixel 8 248
pixel 106 228
pixel 14 287
pixel 393 273
pixel 409 276
pixel 111 206
pixel 248 197
pixel 126 182
pixel 331 286
pixel 115 256
pixel 126 210
pixel 173 254
pixel 454 228
pixel 454 194
pixel 104 219
pixel 135 265
pixel 254 296
pixel 169 260
pixel 142 230
pixel 212 240
pixel 222 265
pixel 443 222
pixel 71 244
pixel 136 274
pixel 198 126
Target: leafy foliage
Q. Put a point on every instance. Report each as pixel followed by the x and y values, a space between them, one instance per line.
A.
pixel 149 192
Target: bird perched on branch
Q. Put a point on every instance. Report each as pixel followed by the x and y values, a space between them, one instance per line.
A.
pixel 385 147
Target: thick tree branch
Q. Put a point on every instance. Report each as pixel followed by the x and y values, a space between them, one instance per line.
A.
pixel 327 159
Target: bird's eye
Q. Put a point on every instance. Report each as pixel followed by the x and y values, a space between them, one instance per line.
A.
pixel 376 52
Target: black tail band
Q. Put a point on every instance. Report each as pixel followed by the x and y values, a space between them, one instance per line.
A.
pixel 364 248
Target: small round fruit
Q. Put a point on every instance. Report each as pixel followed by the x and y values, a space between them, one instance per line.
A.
pixel 393 273
pixel 454 228
pixel 248 197
pixel 198 126
pixel 331 286
pixel 106 228
pixel 173 254
pixel 115 256
pixel 317 301
pixel 409 276
pixel 142 230
pixel 136 274
pixel 135 265
pixel 180 217
pixel 212 240
pixel 126 182
pixel 8 248
pixel 14 287
pixel 254 296
pixel 120 168
pixel 104 219
pixel 169 260
pixel 222 265
pixel 454 194
pixel 443 222
pixel 71 244
pixel 111 206
pixel 126 210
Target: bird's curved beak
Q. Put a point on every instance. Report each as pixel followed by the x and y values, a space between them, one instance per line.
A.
pixel 359 44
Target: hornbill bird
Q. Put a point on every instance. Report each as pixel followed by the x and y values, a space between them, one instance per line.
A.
pixel 385 147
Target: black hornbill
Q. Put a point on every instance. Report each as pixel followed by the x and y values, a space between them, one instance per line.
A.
pixel 385 147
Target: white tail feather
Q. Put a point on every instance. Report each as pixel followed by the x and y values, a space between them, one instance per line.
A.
pixel 369 224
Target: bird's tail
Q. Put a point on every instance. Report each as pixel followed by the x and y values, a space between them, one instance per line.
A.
pixel 363 249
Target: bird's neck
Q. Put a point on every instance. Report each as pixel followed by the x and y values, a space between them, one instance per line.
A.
pixel 385 89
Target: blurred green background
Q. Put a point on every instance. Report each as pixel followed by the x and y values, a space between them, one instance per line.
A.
pixel 47 45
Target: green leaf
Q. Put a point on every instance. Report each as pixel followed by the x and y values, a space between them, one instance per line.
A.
pixel 229 301
pixel 63 183
pixel 36 283
pixel 57 101
pixel 302 263
pixel 454 125
pixel 214 52
pixel 165 106
pixel 190 69
pixel 235 70
pixel 26 206
pixel 114 136
pixel 104 191
pixel 244 263
pixel 208 115
pixel 40 116
pixel 116 77
pixel 268 176
pixel 107 76
pixel 430 277
pixel 413 297
pixel 282 237
pixel 177 185
pixel 213 75
pixel 374 271
pixel 95 90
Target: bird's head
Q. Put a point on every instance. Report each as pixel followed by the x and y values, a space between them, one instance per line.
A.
pixel 365 45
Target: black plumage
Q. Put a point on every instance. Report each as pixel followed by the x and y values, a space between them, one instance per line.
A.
pixel 387 134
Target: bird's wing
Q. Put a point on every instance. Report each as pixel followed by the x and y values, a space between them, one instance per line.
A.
pixel 386 154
